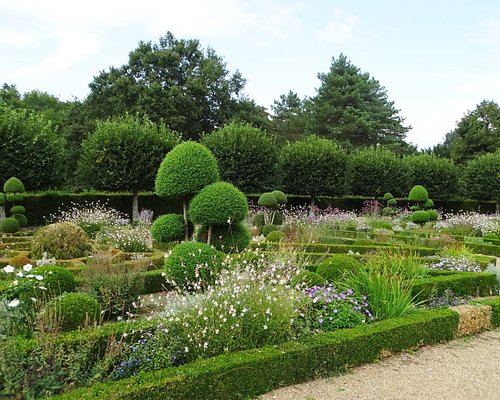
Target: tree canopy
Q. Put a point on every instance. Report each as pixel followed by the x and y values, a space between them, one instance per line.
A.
pixel 289 117
pixel 350 106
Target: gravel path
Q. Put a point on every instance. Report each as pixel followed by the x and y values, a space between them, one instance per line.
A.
pixel 462 369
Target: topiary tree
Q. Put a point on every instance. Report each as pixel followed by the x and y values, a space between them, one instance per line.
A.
pixel 14 190
pixel 218 204
pixel 420 217
pixel 124 154
pixel 228 238
pixel 419 195
pixel 272 201
pixel 314 166
pixel 184 171
pixel 169 228
pixel 247 156
pixel 9 225
pixel 482 178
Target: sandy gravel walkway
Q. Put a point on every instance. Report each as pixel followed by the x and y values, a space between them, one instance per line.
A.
pixel 463 369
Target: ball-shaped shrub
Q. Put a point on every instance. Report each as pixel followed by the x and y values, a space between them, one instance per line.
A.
pixel 275 236
pixel 217 204
pixel 268 200
pixel 56 279
pixel 418 193
pixel 3 199
pixel 71 311
pixel 21 219
pixel 280 196
pixel 9 225
pixel 14 197
pixel 17 210
pixel 433 215
pixel 337 267
pixel 13 185
pixel 420 217
pixel 266 229
pixel 185 170
pixel 428 203
pixel 258 220
pixel 279 218
pixel 169 228
pixel 62 240
pixel 388 211
pixel 193 263
pixel 308 279
pixel 392 202
pixel 19 260
pixel 227 238
pixel 388 196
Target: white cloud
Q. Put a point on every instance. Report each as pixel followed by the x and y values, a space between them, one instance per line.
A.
pixel 16 38
pixel 340 29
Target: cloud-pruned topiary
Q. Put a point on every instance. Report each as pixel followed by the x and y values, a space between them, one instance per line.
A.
pixel 9 225
pixel 13 185
pixel 418 194
pixel 169 228
pixel 268 200
pixel 14 190
pixel 227 238
pixel 272 201
pixel 420 217
pixel 280 196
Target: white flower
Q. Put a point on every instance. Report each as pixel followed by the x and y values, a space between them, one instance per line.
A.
pixel 39 277
pixel 265 327
pixel 20 274
pixel 8 269
pixel 186 349
pixel 14 303
pixel 28 267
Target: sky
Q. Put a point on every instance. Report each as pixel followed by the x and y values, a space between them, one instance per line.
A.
pixel 436 59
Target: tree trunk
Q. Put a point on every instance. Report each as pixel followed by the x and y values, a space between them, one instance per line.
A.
pixel 312 206
pixel 186 222
pixel 135 206
pixel 2 212
pixel 209 235
pixel 497 208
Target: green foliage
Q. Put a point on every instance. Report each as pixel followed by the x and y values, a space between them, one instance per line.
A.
pixel 392 202
pixel 62 240
pixel 363 242
pixel 494 303
pixel 31 149
pixel 420 217
pixel 387 196
pixel 482 177
pixel 374 170
pixel 308 279
pixel 17 210
pixel 72 311
pixel 278 218
pixel 268 200
pixel 192 265
pixel 21 218
pixel 169 228
pixel 227 238
pixel 185 170
pixel 266 229
pixel 433 215
pixel 3 199
pixel 258 220
pixel 9 225
pixel 280 196
pixel 217 204
pixel 289 118
pixel 438 175
pixel 57 280
pixel 336 267
pixel 13 185
pixel 353 107
pixel 429 203
pixel 388 211
pixel 247 157
pixel 418 193
pixel 14 197
pixel 124 154
pixel 275 236
pixel 314 166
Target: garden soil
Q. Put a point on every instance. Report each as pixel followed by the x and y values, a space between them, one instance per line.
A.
pixel 462 369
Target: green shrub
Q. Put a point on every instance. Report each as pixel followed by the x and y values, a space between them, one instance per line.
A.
pixel 481 177
pixel 9 225
pixel 169 228
pixel 278 218
pixel 57 280
pixel 428 203
pixel 336 267
pixel 392 202
pixel 433 215
pixel 217 204
pixel 192 264
pixel 3 199
pixel 21 219
pixel 13 185
pixel 247 157
pixel 418 193
pixel 387 196
pixel 274 236
pixel 71 311
pixel 266 229
pixel 258 220
pixel 280 196
pixel 420 217
pixel 17 210
pixel 308 279
pixel 14 197
pixel 268 200
pixel 227 238
pixel 62 240
pixel 185 170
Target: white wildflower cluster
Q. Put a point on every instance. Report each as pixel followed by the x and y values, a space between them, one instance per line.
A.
pixel 45 260
pixel 460 263
pixel 480 224
pixel 23 278
pixel 127 238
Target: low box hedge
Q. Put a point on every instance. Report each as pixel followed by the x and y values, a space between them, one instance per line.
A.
pixel 494 303
pixel 247 374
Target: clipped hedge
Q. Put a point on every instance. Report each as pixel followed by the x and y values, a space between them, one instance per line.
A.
pixel 494 303
pixel 250 373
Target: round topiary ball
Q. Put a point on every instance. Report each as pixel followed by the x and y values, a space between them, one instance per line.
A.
pixel 388 211
pixel 62 240
pixel 193 264
pixel 169 228
pixel 308 279
pixel 227 238
pixel 14 197
pixel 274 236
pixel 280 196
pixel 9 225
pixel 433 215
pixel 266 229
pixel 17 210
pixel 418 193
pixel 13 185
pixel 268 200
pixel 388 196
pixel 428 203
pixel 258 220
pixel 278 218
pixel 185 170
pixel 21 219
pixel 420 217
pixel 71 311
pixel 217 204
pixel 56 279
pixel 337 267
pixel 392 202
